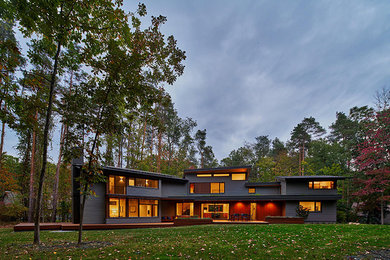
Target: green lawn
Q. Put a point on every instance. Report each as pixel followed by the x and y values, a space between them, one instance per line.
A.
pixel 207 242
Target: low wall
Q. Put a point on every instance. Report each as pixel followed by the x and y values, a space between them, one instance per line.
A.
pixel 284 220
pixel 192 221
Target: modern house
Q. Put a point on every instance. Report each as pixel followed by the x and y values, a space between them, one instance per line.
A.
pixel 134 196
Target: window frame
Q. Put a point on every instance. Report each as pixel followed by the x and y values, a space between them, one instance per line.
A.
pixel 251 189
pixel 193 189
pixel 315 204
pixel 311 185
pixel 155 207
pixel 239 179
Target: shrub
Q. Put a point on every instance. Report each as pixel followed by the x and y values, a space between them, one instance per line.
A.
pixel 302 212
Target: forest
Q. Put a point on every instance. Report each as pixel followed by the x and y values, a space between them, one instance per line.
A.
pixel 102 84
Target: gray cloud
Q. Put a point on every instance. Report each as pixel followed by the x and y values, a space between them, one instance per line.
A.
pixel 259 67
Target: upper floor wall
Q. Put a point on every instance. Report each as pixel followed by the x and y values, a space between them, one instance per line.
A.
pixel 226 181
pixel 309 185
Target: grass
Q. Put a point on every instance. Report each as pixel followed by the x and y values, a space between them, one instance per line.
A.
pixel 207 242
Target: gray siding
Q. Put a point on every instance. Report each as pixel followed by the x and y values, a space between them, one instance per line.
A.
pixel 232 188
pixel 302 188
pixel 283 188
pixel 267 190
pixel 327 215
pixel 174 189
pixel 132 220
pixel 95 209
pixel 144 192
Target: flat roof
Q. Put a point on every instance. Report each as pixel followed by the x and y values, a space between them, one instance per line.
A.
pixel 139 173
pixel 311 177
pixel 232 169
pixel 262 184
pixel 253 197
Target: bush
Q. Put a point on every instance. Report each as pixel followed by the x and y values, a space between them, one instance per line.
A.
pixel 302 212
pixel 12 212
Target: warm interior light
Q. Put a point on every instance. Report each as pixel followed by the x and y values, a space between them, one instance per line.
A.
pixel 121 179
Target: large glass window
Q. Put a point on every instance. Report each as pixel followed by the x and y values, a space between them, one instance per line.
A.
pixel 185 209
pixel 321 185
pixel 217 187
pixel 133 207
pixel 238 176
pixel 148 208
pixel 116 184
pixel 312 206
pixel 207 187
pixel 141 182
pixel 117 208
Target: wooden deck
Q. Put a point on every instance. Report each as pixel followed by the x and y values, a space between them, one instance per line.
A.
pixel 70 226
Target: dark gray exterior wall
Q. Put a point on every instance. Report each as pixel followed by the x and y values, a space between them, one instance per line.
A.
pixel 144 192
pixel 302 188
pixel 267 191
pixel 95 206
pixel 327 215
pixel 174 189
pixel 133 220
pixel 232 188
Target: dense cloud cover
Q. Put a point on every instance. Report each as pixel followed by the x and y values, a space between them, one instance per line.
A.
pixel 259 67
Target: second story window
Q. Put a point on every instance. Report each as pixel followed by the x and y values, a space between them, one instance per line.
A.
pixel 116 184
pixel 141 182
pixel 207 187
pixel 252 190
pixel 217 187
pixel 238 176
pixel 321 185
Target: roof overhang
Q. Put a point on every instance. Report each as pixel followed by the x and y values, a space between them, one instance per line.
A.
pixel 110 170
pixel 257 198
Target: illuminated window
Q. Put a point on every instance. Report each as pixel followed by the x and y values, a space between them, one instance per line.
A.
pixel 238 177
pixel 117 208
pixel 192 188
pixel 133 207
pixel 117 184
pixel 312 206
pixel 217 187
pixel 151 183
pixel 184 209
pixel 140 182
pixel 321 185
pixel 203 175
pixel 148 208
pixel 221 174
pixel 252 190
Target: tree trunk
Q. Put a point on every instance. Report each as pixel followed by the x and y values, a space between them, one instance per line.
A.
pixel 45 145
pixel 82 215
pixel 159 137
pixel 120 139
pixel 57 177
pixel 382 211
pixel 2 136
pixel 32 172
pixel 143 140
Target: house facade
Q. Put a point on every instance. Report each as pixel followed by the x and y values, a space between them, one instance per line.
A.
pixel 134 196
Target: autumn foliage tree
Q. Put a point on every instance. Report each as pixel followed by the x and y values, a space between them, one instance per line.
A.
pixel 374 162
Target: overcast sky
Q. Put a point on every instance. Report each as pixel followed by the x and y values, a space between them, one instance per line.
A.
pixel 259 67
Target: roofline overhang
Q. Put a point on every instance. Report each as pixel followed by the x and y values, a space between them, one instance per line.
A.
pixel 138 173
pixel 256 198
